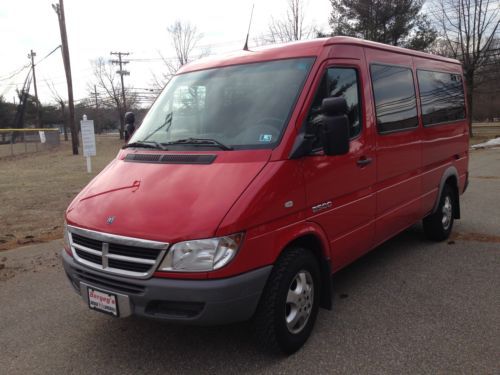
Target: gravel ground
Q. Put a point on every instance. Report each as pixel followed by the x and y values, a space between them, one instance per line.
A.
pixel 410 306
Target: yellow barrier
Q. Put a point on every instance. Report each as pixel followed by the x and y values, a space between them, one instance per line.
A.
pixel 18 141
pixel 29 130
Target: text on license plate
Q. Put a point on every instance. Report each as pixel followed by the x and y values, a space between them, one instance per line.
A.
pixel 102 301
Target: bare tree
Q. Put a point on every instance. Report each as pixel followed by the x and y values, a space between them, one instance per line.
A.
pixel 486 102
pixel 59 100
pixel 292 26
pixel 108 84
pixel 184 38
pixel 469 29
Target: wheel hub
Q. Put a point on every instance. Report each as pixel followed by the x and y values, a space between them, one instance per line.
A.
pixel 447 213
pixel 299 301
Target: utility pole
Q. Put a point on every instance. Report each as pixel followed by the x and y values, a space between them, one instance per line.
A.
pixel 59 9
pixel 63 116
pixel 97 110
pixel 31 56
pixel 122 73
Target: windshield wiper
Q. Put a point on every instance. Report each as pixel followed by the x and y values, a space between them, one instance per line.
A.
pixel 200 141
pixel 167 122
pixel 148 144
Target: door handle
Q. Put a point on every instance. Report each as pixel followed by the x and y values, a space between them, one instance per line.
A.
pixel 364 161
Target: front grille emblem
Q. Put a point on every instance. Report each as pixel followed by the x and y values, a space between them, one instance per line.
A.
pixel 110 220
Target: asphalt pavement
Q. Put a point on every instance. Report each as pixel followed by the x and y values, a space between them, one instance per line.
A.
pixel 410 306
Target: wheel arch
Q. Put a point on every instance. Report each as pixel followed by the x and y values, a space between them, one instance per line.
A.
pixel 313 238
pixel 449 177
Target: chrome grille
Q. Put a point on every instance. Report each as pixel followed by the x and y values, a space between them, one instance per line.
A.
pixel 119 255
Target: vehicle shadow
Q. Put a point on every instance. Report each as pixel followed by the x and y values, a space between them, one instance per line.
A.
pixel 139 345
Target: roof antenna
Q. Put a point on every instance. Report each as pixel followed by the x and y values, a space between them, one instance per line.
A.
pixel 245 47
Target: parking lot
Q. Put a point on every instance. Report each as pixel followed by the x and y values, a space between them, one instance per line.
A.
pixel 410 306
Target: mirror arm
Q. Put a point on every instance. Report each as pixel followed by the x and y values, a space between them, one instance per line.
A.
pixel 302 145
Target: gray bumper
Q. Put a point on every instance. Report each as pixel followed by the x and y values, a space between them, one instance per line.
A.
pixel 204 302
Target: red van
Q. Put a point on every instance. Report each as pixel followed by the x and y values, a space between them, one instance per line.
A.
pixel 256 176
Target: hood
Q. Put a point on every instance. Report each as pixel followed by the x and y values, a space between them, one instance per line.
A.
pixel 165 202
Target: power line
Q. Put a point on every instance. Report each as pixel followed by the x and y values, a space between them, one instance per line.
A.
pixel 50 53
pixel 15 73
pixel 59 79
pixel 20 70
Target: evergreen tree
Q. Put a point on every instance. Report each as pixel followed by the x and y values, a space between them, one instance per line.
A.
pixel 396 22
pixel 7 112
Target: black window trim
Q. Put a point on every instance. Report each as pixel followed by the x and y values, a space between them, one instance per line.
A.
pixel 360 100
pixel 449 122
pixel 413 128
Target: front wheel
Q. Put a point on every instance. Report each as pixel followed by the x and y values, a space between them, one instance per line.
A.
pixel 438 225
pixel 289 304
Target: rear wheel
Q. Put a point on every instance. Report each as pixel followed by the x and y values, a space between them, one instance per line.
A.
pixel 289 304
pixel 438 225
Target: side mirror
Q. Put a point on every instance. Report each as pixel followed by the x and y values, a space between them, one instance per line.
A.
pixel 335 126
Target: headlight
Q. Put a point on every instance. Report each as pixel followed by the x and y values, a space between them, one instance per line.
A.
pixel 201 255
pixel 66 243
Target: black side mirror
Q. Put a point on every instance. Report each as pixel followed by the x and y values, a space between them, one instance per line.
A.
pixel 335 126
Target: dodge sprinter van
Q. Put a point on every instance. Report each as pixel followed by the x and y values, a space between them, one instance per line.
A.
pixel 257 175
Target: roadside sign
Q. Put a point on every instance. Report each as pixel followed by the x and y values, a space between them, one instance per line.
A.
pixel 88 138
pixel 42 136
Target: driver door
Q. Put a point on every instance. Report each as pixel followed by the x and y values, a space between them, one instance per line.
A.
pixel 339 189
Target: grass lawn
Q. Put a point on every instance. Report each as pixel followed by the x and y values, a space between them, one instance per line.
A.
pixel 484 132
pixel 36 188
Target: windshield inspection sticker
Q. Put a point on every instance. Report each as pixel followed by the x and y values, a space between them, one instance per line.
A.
pixel 265 138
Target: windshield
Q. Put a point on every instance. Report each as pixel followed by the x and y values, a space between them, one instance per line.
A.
pixel 242 106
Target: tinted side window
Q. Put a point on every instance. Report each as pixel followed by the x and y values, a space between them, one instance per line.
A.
pixel 340 82
pixel 441 97
pixel 395 100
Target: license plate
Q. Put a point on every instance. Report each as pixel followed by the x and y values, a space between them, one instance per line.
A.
pixel 103 301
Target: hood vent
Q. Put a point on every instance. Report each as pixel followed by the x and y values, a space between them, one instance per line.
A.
pixel 170 158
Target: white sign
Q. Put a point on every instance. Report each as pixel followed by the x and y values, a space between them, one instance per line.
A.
pixel 88 137
pixel 42 136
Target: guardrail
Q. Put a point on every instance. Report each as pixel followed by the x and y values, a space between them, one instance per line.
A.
pixel 19 141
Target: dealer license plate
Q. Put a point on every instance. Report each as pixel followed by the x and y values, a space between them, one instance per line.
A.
pixel 103 301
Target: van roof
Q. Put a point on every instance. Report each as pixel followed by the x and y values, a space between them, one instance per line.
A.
pixel 298 49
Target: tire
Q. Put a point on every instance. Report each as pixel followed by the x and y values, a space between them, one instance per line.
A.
pixel 289 304
pixel 438 226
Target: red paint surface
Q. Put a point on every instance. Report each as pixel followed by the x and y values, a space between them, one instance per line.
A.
pixel 247 190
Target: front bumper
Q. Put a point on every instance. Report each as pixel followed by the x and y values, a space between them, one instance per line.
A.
pixel 203 302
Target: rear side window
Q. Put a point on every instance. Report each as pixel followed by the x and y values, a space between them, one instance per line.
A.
pixel 395 100
pixel 441 97
pixel 340 82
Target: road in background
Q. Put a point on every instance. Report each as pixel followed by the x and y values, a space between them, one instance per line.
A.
pixel 484 131
pixel 410 306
